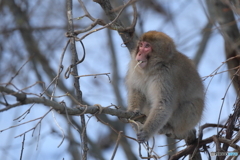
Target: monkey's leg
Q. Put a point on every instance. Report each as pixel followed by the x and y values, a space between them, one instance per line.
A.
pixel 168 131
pixel 190 139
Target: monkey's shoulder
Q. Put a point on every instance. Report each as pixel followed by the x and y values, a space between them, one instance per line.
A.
pixel 182 60
pixel 182 64
pixel 185 72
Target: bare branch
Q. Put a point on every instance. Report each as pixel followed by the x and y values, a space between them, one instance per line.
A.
pixel 60 108
pixel 92 75
pixel 74 63
pixel 117 144
pixel 22 147
pixel 128 37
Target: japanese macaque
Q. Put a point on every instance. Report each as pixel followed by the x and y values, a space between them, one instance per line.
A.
pixel 164 85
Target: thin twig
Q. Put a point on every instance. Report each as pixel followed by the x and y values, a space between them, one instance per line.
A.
pixel 20 124
pixel 223 99
pixel 229 142
pixel 150 151
pixel 92 75
pixel 60 69
pixel 134 22
pixel 39 133
pixel 87 14
pixel 96 22
pixel 18 71
pixel 36 124
pixel 120 7
pixel 117 144
pixel 95 75
pixel 22 147
pixel 69 121
pixel 107 124
pixel 23 116
pixel 74 99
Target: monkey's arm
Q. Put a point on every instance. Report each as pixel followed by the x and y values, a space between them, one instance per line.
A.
pixel 161 111
pixel 157 118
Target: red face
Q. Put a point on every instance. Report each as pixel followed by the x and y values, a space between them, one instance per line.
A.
pixel 144 48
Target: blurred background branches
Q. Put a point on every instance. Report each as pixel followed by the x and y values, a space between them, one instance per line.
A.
pixel 35 54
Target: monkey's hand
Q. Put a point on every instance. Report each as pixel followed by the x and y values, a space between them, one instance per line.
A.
pixel 142 136
pixel 136 111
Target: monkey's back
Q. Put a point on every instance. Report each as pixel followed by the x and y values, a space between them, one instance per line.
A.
pixel 190 95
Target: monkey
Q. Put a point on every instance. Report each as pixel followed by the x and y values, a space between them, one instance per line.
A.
pixel 164 85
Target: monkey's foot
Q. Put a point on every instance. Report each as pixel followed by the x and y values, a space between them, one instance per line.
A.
pixel 142 136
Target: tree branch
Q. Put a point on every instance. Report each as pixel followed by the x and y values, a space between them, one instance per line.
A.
pixel 127 35
pixel 76 79
pixel 84 109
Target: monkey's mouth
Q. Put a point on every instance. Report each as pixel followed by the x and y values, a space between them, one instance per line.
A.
pixel 142 64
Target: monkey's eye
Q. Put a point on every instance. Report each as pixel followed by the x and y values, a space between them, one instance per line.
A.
pixel 147 45
pixel 144 44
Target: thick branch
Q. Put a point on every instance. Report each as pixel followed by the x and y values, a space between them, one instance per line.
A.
pixel 127 36
pixel 74 111
pixel 190 149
